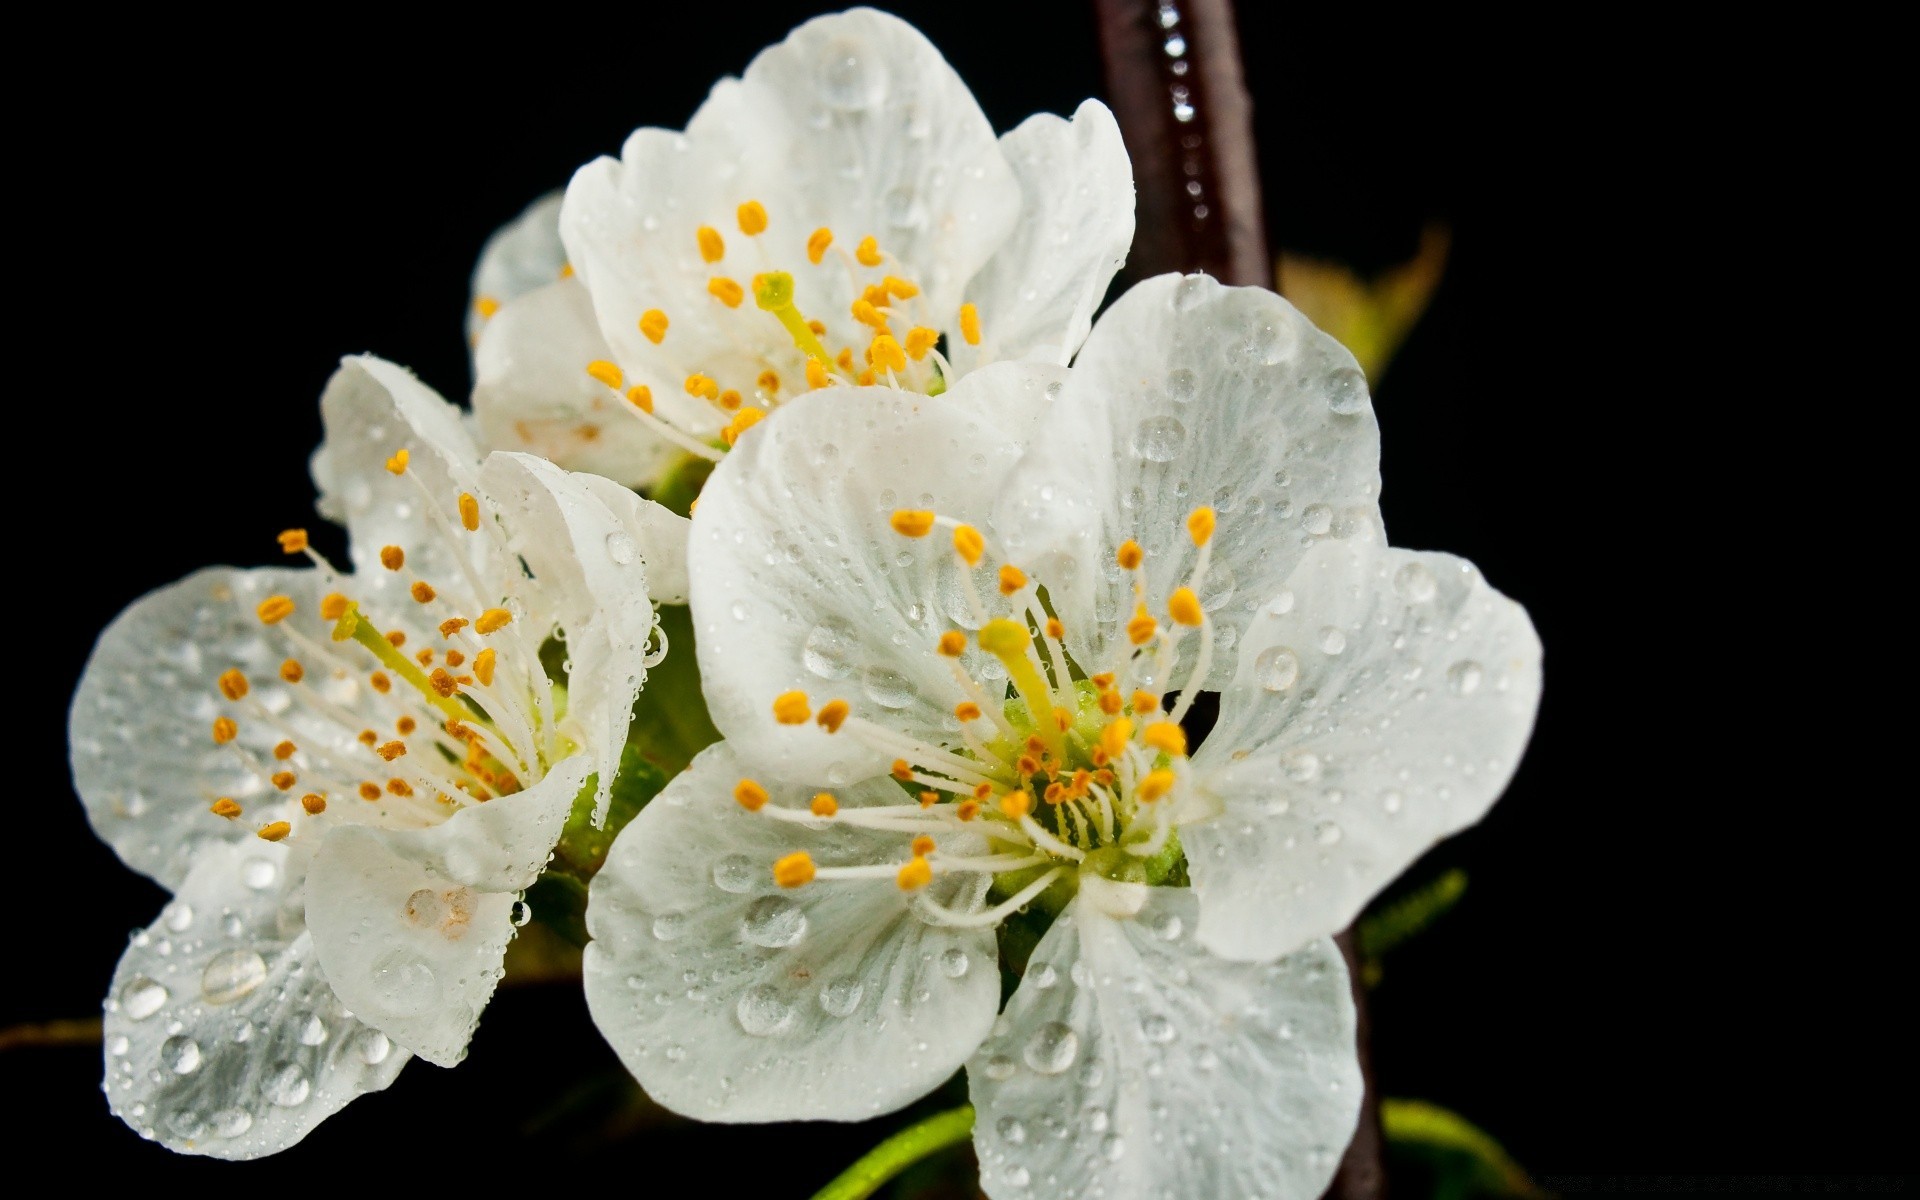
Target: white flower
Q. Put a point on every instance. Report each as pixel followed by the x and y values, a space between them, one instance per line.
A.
pixel 802 925
pixel 346 779
pixel 837 214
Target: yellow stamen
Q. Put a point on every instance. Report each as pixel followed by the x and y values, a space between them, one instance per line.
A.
pixel 314 803
pixel 865 377
pixel 653 324
pixel 284 750
pixel 1130 555
pixel 983 791
pixel 968 544
pixel 817 376
pixel 929 799
pixel 1183 606
pixel 902 770
pixel 274 609
pixel 865 313
pixel 398 463
pixel 817 243
pixel 1111 704
pixel 917 874
pixel 967 710
pixel 832 713
pixel 742 421
pixel 486 306
pixel 922 846
pixel 292 671
pixel 953 643
pixel 641 397
pixel 443 683
pixel 702 386
pixel 396 638
pixel 752 217
pixel 406 725
pixel 1055 629
pixel 967 810
pixel 1012 579
pixel 399 787
pixel 1200 525
pixel 773 293
pixel 868 252
pixel 293 541
pixel 885 354
pixel 492 621
pixel 451 626
pixel 1007 641
pixel 225 807
pixel 1016 804
pixel 791 708
pixel 905 289
pixel 1114 738
pixel 233 685
pixel 391 750
pixel 392 557
pixel 1166 737
pixel 1145 702
pixel 876 295
pixel 1141 626
pixel 795 870
pixel 750 794
pixel 380 682
pixel 970 324
pixel 845 359
pixel 824 805
pixel 713 247
pixel 224 730
pixel 729 400
pixel 469 512
pixel 768 382
pixel 483 663
pixel 284 780
pixel 726 291
pixel 920 339
pixel 1156 785
pixel 912 522
pixel 422 591
pixel 275 831
pixel 369 791
pixel 606 372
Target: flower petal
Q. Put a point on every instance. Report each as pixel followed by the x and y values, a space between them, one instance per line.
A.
pixel 533 393
pixel 731 999
pixel 1381 702
pixel 1037 294
pixel 523 255
pixel 410 925
pixel 586 558
pixel 222 1036
pixel 1131 1062
pixel 1188 393
pixel 799 583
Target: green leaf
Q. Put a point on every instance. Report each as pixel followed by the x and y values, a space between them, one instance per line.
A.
pixel 681 484
pixel 897 1153
pixel 1432 1151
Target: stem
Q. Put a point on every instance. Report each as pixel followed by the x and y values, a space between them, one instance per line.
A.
pixel 897 1153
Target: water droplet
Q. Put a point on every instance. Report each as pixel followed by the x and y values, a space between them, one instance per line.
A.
pixel 117 1045
pixel 840 997
pixel 288 1086
pixel 763 1012
pixel 1267 343
pixel 773 921
pixel 313 1031
pixel 620 548
pixel 886 687
pixel 668 926
pixel 1317 519
pixel 181 1055
pixel 179 917
pixel 232 926
pixel 1415 582
pixel 954 962
pixel 1011 1131
pixel 1018 1176
pixel 1167 925
pixel 1158 439
pixel 142 998
pixel 1193 291
pixel 1333 639
pixel 1326 833
pixel 1182 385
pixel 522 913
pixel 1300 765
pixel 231 974
pixel 851 76
pixel 405 983
pixel 903 208
pixel 1043 975
pixel 1052 1048
pixel 1347 392
pixel 1000 1068
pixel 258 874
pixel 1277 668
pixel 1157 1029
pixel 232 1122
pixel 734 873
pixel 739 610
pixel 828 650
pixel 372 1046
pixel 186 1124
pixel 1463 677
pixel 1113 1147
pixel 1392 801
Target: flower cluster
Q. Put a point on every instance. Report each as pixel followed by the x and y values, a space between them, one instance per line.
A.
pixel 966 569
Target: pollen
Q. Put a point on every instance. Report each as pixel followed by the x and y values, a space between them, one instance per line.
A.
pixel 967 710
pixel 274 609
pixel 391 750
pixel 1111 704
pixel 1012 579
pixel 845 359
pixel 824 805
pixel 1055 629
pixel 752 217
pixel 1103 680
pixel 1155 786
pixel 817 243
pixel 333 606
pixel 868 252
pixel 832 713
pixel 968 544
pixel 443 683
pixel 400 787
pixel 864 312
pixel 795 870
pixel 492 621
pixel 967 810
pixel 1166 737
pixel 751 795
pixel 929 799
pixel 726 291
pixel 284 750
pixel 1141 626
pixel 742 421
pixel 469 512
pixel 1200 525
pixel 791 708
pixel 451 626
pixel 233 685
pixel 702 386
pixel 606 372
pixel 367 736
pixel 641 397
pixel 729 400
pixel 224 730
pixel 406 725
pixel 396 638
pixel 1183 606
pixel 885 354
pixel 768 382
pixel 397 465
pixel 953 643
pixel 292 671
pixel 917 874
pixel 876 295
pixel 653 325
pixel 314 803
pixel 422 591
pixel 817 376
pixel 905 289
pixel 293 541
pixel 713 247
pixel 983 791
pixel 920 339
pixel 392 557
pixel 225 807
pixel 1130 555
pixel 912 522
pixel 274 832
pixel 284 780
pixel 1114 738
pixel 483 664
pixel 1056 793
pixel 369 791
pixel 1145 702
pixel 970 324
pixel 1017 804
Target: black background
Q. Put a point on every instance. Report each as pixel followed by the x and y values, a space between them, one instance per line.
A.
pixel 1674 954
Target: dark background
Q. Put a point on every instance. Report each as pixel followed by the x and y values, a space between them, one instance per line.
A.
pixel 1674 953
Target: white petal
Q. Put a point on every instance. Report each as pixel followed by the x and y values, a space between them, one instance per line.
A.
pixel 1381 702
pixel 533 393
pixel 731 999
pixel 1037 295
pixel 798 581
pixel 222 1036
pixel 1131 1063
pixel 659 536
pixel 586 561
pixel 521 256
pixel 140 730
pixel 411 925
pixel 1190 393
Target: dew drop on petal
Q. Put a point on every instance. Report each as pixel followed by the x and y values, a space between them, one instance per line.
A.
pixel 1463 677
pixel 1317 519
pixel 734 873
pixel 372 1046
pixel 1000 1067
pixel 181 1055
pixel 287 1085
pixel 668 926
pixel 828 649
pixel 117 1045
pixel 1043 975
pixel 522 913
pixel 763 1012
pixel 1347 392
pixel 620 548
pixel 231 974
pixel 774 922
pixel 1277 668
pixel 1415 582
pixel 142 998
pixel 258 874
pixel 179 917
pixel 851 76
pixel 1326 833
pixel 1182 386
pixel 405 983
pixel 1158 439
pixel 1167 925
pixel 954 962
pixel 886 687
pixel 1157 1029
pixel 231 1122
pixel 1011 1130
pixel 1392 801
pixel 1052 1048
pixel 313 1031
pixel 1333 639
pixel 840 997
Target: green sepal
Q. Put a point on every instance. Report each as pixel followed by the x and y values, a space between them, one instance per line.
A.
pixel 1432 1151
pixel 680 485
pixel 1393 921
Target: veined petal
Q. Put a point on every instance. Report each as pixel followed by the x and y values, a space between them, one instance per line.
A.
pixel 410 925
pixel 799 583
pixel 1037 294
pixel 585 557
pixel 222 1036
pixel 1381 702
pixel 522 256
pixel 1132 1063
pixel 532 391
pixel 731 999
pixel 659 536
pixel 1188 393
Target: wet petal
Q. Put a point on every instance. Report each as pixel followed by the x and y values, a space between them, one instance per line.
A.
pixel 523 255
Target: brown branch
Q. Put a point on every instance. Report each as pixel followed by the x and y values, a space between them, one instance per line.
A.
pixel 75 1031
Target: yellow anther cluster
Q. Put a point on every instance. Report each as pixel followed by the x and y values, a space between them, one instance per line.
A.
pixel 795 870
pixel 653 325
pixel 752 217
pixel 606 372
pixel 274 609
pixel 832 714
pixel 233 685
pixel 912 522
pixel 792 708
pixel 492 621
pixel 293 541
pixel 750 794
pixel 1184 607
pixel 392 557
pixel 225 807
pixel 824 805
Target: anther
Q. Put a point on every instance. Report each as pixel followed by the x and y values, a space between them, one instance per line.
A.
pixel 398 463
pixel 1114 738
pixel 1055 629
pixel 1200 525
pixel 917 874
pixel 1111 703
pixel 224 807
pixel 885 354
pixel 224 730
pixel 469 512
pixel 795 870
pixel 817 376
pixel 726 291
pixel 1130 555
pixel 314 803
pixel 284 750
pixel 1012 579
pixel 291 671
pixel 1183 606
pixel 832 713
pixel 293 541
pixel 902 770
pixel 641 397
pixel 750 794
pixel 274 609
pixel 392 557
pixel 791 708
pixel 752 217
pixel 868 252
pixel 492 621
pixel 929 799
pixel 451 626
pixel 876 295
pixel 905 289
pixel 275 831
pixel 729 400
pixel 233 685
pixel 968 544
pixel 483 664
pixel 864 312
pixel 922 846
pixel 824 805
pixel 367 737
pixel 606 372
pixel 1141 626
pixel 284 780
pixel 1166 737
pixel 391 750
pixel 443 683
pixel 967 710
pixel 817 243
pixel 1155 786
pixel 967 810
pixel 970 324
pixel 742 421
pixel 422 591
pixel 920 339
pixel 912 522
pixel 653 324
pixel 1016 804
pixel 713 247
pixel 406 725
pixel 702 386
pixel 953 643
pixel 369 791
pixel 768 382
pixel 486 306
pixel 396 638
pixel 400 787
pixel 1145 702
pixel 983 791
